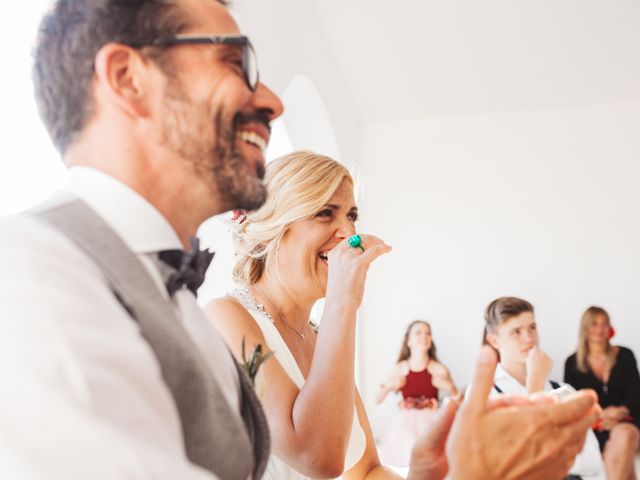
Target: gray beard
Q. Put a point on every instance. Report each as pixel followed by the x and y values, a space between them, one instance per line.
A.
pixel 218 163
pixel 239 187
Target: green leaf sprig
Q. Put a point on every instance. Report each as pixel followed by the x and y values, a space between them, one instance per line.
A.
pixel 256 358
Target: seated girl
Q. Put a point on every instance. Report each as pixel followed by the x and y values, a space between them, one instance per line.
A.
pixel 419 376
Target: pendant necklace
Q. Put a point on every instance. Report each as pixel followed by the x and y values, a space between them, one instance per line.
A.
pixel 281 316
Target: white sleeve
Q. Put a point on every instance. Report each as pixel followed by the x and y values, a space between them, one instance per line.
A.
pixel 81 395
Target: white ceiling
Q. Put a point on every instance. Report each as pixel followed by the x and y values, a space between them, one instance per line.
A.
pixel 406 59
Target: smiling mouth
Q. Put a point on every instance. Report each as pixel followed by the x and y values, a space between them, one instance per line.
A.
pixel 253 139
pixel 324 256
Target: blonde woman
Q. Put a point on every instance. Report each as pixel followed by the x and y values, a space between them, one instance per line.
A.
pixel 613 373
pixel 284 253
pixel 300 247
pixel 418 376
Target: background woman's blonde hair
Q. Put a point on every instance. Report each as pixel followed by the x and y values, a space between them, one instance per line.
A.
pixel 588 317
pixel 298 185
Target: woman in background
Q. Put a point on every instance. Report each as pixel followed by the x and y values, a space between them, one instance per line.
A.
pixel 418 375
pixel 612 372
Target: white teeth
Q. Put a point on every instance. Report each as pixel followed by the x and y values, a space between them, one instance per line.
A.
pixel 253 139
pixel 324 256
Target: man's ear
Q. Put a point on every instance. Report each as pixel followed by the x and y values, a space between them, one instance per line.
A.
pixel 492 340
pixel 120 73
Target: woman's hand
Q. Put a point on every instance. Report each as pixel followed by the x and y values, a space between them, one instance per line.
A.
pixel 612 416
pixel 348 268
pixel 615 413
pixel 419 403
pixel 395 383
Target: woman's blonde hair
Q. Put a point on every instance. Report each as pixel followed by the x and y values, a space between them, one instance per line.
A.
pixel 298 185
pixel 588 317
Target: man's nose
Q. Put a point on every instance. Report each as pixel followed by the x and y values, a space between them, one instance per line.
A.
pixel 265 99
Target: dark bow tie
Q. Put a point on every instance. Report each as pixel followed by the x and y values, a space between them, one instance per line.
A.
pixel 190 266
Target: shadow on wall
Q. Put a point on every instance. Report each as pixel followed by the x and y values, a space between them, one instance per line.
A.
pixel 307 120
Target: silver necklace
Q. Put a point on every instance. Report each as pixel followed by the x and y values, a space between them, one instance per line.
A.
pixel 262 310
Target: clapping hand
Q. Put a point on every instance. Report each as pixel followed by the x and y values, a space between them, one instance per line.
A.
pixel 511 437
pixel 517 438
pixel 428 459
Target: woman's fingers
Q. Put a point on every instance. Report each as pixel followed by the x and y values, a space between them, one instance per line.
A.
pixel 369 255
pixel 370 243
pixel 366 241
pixel 373 248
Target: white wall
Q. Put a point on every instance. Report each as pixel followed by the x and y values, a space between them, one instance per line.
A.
pixel 537 203
pixel 290 42
pixel 540 204
pixel 31 168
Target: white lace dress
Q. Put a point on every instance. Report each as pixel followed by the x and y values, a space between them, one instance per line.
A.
pixel 278 469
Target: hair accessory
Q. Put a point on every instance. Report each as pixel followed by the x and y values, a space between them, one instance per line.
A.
pixel 355 241
pixel 612 332
pixel 239 216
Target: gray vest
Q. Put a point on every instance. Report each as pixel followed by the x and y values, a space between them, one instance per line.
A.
pixel 214 437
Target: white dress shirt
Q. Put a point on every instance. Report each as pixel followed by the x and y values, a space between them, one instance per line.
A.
pixel 81 392
pixel 588 463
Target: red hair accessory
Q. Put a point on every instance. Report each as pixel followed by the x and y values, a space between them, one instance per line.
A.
pixel 612 332
pixel 239 216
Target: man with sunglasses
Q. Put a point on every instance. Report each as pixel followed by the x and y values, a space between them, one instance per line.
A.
pixel 109 368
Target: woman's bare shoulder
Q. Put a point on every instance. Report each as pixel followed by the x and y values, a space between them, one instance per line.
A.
pixel 401 368
pixel 233 321
pixel 436 368
pixel 227 309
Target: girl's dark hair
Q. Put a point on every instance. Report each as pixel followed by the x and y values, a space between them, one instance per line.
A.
pixel 404 350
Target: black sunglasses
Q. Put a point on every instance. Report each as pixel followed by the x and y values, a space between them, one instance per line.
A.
pixel 249 60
